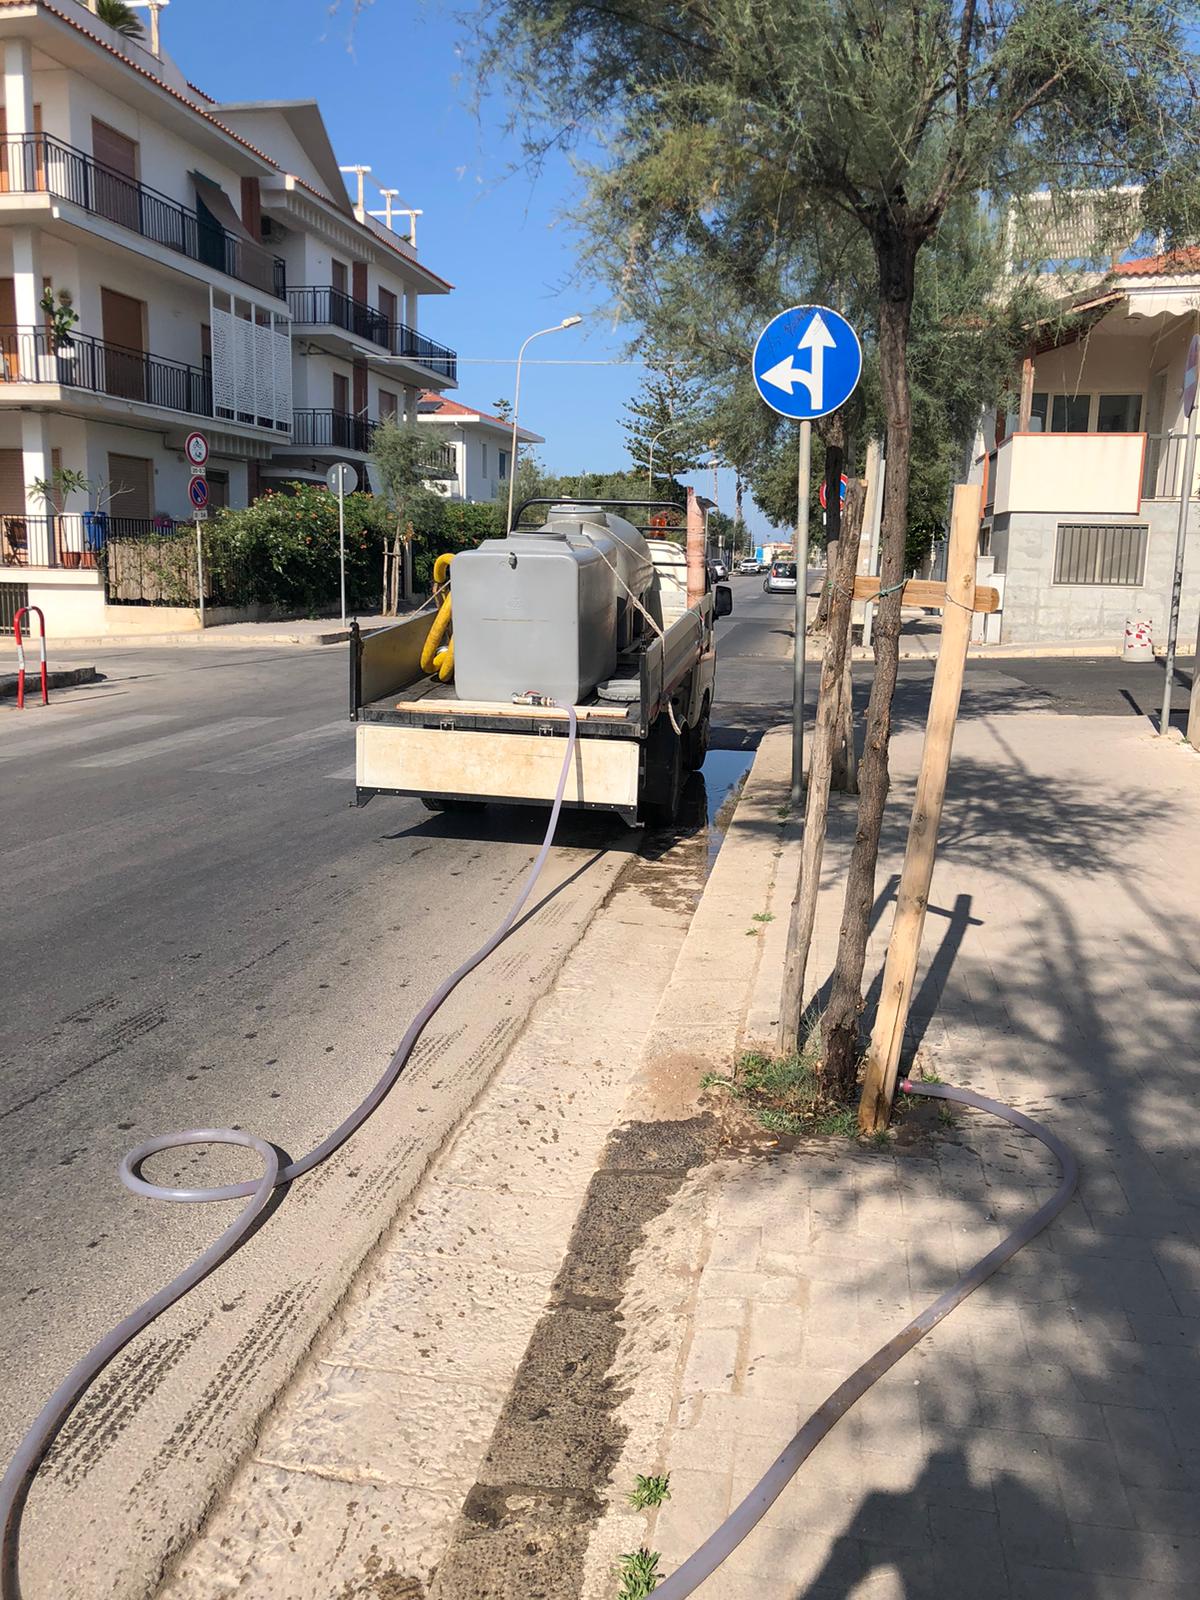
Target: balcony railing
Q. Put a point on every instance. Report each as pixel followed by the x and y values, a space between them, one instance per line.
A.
pixel 70 538
pixel 416 347
pixel 37 163
pixel 332 430
pixel 31 355
pixel 329 307
pixel 1162 467
pixel 439 460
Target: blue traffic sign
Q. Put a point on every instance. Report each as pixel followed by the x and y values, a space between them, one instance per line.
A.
pixel 198 493
pixel 807 362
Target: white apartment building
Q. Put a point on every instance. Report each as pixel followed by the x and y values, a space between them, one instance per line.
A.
pixel 475 447
pixel 222 280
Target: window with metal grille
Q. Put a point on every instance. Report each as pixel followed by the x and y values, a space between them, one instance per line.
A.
pixel 1100 553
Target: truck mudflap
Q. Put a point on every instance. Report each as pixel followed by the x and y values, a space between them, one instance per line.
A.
pixel 464 764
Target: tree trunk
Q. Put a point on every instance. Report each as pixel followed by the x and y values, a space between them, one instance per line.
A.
pixel 832 432
pixel 845 758
pixel 896 255
pixel 816 812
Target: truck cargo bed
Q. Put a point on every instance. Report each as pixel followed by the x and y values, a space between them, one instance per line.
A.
pixel 429 703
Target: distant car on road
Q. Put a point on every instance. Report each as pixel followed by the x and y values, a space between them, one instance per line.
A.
pixel 719 570
pixel 781 579
pixel 748 565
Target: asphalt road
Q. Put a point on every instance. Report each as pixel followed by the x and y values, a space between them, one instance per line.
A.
pixel 754 677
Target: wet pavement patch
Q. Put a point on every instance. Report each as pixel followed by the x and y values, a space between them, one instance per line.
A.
pixel 524 1528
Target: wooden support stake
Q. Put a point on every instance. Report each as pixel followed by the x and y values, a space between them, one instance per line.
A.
pixel 927 592
pixel 900 970
pixel 1025 405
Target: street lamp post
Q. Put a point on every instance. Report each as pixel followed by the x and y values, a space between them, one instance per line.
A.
pixel 567 322
pixel 653 442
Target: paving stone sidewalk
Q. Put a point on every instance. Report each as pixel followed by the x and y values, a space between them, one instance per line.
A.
pixel 1044 1442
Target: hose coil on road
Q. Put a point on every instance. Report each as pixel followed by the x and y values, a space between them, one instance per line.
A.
pixel 31 1452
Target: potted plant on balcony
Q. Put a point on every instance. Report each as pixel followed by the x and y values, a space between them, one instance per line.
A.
pixel 79 549
pixel 61 321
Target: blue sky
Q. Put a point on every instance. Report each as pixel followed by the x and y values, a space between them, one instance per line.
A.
pixel 392 99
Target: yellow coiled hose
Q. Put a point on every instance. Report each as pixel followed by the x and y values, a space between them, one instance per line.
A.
pixel 436 657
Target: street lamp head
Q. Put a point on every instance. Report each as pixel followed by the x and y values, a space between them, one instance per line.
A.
pixel 569 322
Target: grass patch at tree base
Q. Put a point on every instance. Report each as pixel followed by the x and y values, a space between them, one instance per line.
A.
pixel 786 1094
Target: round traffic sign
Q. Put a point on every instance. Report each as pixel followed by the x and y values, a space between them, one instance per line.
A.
pixel 823 496
pixel 198 493
pixel 807 362
pixel 196 449
pixel 342 478
pixel 1189 375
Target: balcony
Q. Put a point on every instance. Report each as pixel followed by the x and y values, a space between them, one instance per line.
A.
pixel 29 355
pixel 1067 474
pixel 338 430
pixel 332 430
pixel 71 539
pixel 37 163
pixel 327 307
pixel 330 308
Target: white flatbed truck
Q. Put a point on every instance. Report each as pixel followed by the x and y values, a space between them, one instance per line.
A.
pixel 415 736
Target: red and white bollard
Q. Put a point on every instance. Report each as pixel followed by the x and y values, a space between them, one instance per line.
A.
pixel 24 611
pixel 1139 640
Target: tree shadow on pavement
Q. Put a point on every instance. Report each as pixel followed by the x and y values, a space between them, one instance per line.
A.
pixel 946 1536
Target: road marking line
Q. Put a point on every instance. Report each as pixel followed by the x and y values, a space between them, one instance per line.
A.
pixel 66 735
pixel 175 741
pixel 281 751
pixel 343 774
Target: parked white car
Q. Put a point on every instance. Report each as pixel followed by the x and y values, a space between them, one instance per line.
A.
pixel 747 566
pixel 781 579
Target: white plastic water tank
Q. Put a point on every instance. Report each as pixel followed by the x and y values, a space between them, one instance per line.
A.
pixel 537 610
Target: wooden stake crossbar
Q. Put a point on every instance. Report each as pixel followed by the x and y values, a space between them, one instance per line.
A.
pixel 904 947
pixel 926 592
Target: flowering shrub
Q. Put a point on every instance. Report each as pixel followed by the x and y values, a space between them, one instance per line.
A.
pixel 285 547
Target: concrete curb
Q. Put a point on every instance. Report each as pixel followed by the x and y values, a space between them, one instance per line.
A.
pixel 61 678
pixel 724 990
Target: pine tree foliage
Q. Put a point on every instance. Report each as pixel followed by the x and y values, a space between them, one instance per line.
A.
pixel 664 416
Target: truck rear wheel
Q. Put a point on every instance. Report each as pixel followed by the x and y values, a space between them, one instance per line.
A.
pixel 662 786
pixel 696 739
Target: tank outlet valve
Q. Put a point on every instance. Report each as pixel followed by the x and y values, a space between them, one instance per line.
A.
pixel 531 697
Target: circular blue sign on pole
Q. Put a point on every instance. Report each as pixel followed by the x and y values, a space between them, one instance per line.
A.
pixel 198 493
pixel 807 362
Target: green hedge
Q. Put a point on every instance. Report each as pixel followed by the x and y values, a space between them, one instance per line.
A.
pixel 285 546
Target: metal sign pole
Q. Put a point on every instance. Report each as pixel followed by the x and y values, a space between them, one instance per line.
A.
pixel 200 565
pixel 1185 503
pixel 342 541
pixel 803 477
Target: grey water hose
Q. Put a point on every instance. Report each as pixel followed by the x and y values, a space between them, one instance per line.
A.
pixel 31 1452
pixel 746 1516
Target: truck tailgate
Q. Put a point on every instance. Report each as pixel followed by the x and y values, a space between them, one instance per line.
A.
pixel 460 763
